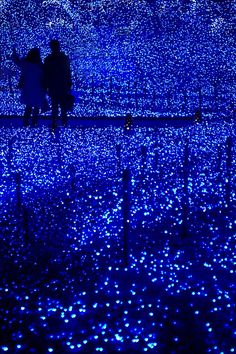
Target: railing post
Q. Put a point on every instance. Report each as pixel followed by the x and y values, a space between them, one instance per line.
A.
pixel 129 93
pixel 154 99
pixel 136 94
pixel 128 121
pixel 169 99
pixel 156 157
pixel 184 107
pixel 72 178
pixel 144 157
pixel 200 102
pixel 25 225
pixel 228 170
pixel 111 87
pixel 126 214
pixel 22 212
pixel 219 157
pixel 145 89
pixel 118 155
pixel 18 193
pixel 93 88
pixel 10 155
pixel 215 96
pixel 19 210
pixel 185 201
pixel 56 137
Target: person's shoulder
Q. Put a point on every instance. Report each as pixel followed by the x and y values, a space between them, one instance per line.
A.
pixel 64 55
pixel 50 60
pixel 49 56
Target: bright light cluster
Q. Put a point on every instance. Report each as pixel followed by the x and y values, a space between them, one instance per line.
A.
pixel 64 284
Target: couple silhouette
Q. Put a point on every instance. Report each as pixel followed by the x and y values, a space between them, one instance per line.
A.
pixel 53 77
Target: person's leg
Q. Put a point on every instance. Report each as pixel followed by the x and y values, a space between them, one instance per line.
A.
pixel 64 115
pixel 27 113
pixel 35 116
pixel 54 112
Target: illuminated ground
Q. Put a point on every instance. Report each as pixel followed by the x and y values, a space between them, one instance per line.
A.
pixel 71 282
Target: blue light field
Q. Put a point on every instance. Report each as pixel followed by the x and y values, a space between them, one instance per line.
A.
pixel 117 236
pixel 72 283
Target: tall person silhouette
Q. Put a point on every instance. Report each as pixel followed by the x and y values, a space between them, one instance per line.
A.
pixel 58 81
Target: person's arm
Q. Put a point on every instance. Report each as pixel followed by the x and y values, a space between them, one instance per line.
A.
pixel 68 72
pixel 15 57
pixel 45 74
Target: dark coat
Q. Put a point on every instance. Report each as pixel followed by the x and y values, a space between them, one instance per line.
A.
pixel 32 90
pixel 57 75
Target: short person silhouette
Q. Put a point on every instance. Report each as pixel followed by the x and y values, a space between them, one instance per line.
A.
pixel 31 83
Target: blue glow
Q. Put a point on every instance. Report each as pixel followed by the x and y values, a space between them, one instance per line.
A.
pixel 84 258
pixel 148 56
pixel 66 280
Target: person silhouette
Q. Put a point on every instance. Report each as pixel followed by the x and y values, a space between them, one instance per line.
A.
pixel 31 84
pixel 58 81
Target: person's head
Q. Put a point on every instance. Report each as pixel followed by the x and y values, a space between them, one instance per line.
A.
pixel 33 56
pixel 55 45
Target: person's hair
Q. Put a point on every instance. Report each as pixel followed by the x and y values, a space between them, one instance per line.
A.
pixel 33 56
pixel 55 45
